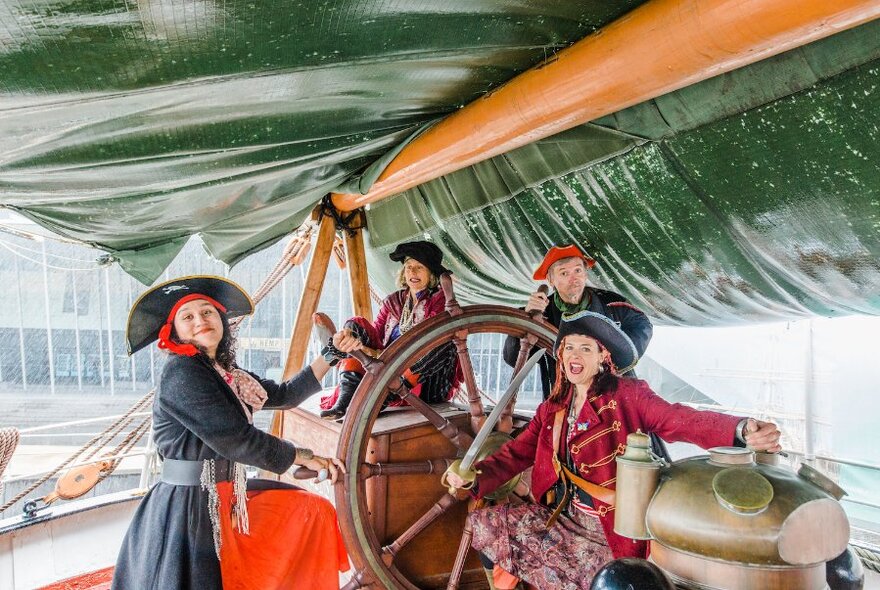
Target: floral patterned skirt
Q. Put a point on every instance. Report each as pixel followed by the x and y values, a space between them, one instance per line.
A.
pixel 564 557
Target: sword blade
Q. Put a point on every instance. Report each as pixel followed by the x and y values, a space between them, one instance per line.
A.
pixel 470 456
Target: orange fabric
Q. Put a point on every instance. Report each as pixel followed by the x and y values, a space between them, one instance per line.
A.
pixel 294 542
pixel 351 364
pixel 503 579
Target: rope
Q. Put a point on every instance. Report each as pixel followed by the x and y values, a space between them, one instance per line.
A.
pixel 375 296
pixel 98 442
pixel 9 438
pixel 40 262
pixel 294 254
pixel 870 559
pixel 344 222
pixel 20 233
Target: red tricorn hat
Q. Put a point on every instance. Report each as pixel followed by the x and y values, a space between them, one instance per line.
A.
pixel 556 254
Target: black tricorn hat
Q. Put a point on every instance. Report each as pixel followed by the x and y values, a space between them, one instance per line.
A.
pixel 425 252
pixel 595 325
pixel 150 312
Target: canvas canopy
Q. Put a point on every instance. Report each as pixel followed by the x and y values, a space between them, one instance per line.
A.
pixel 750 196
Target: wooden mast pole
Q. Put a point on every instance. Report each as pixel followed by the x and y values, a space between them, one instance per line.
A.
pixel 358 279
pixel 308 304
pixel 659 47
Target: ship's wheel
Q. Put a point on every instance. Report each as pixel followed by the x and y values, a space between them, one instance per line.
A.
pixel 402 529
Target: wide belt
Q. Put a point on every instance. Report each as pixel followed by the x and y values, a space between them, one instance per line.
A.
pixel 189 473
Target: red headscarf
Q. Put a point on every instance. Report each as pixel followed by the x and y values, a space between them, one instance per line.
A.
pixel 165 342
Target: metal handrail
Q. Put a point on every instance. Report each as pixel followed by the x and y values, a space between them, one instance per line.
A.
pixel 841 461
pixel 854 463
pixel 77 422
pixel 67 434
pixel 859 502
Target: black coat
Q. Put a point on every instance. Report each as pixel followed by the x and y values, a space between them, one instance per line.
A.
pixel 169 544
pixel 631 320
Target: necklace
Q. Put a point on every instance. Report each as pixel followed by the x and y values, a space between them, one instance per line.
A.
pixel 407 314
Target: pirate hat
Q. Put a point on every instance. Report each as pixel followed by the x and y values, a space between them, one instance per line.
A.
pixel 557 253
pixel 595 325
pixel 154 309
pixel 425 252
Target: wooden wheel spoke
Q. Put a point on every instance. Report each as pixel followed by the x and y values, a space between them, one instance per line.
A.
pixel 452 306
pixel 426 467
pixel 439 508
pixel 478 414
pixel 459 438
pixel 460 557
pixel 526 343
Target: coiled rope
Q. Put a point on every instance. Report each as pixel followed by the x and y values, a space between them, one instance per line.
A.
pixel 9 438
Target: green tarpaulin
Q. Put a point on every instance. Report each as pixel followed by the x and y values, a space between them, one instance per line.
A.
pixel 134 125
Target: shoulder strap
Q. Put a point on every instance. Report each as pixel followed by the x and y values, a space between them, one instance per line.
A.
pixel 598 492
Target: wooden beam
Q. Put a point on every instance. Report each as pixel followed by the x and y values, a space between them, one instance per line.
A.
pixel 358 279
pixel 308 303
pixel 302 326
pixel 659 47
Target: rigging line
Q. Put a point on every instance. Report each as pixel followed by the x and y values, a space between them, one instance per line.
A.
pixel 39 251
pixel 35 236
pixel 40 262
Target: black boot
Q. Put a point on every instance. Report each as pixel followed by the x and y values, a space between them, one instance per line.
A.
pixel 348 383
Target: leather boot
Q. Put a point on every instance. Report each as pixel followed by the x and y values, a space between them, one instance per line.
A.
pixel 348 383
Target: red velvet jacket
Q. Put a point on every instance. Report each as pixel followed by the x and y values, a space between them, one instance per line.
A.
pixel 389 314
pixel 611 418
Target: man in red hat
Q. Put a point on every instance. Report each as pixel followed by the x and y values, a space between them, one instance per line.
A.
pixel 565 269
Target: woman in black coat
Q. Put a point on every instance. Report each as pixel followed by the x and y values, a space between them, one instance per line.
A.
pixel 202 526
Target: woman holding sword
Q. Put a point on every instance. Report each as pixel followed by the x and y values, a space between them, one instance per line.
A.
pixel 572 443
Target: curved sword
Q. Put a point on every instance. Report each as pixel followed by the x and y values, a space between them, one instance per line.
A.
pixel 470 456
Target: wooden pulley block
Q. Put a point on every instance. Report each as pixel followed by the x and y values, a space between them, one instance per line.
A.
pixel 77 481
pixel 339 253
pixel 297 249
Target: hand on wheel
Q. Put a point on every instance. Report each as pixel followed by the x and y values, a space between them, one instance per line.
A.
pixel 327 468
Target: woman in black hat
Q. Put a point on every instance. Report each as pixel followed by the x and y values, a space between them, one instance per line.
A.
pixel 203 526
pixel 572 443
pixel 437 375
